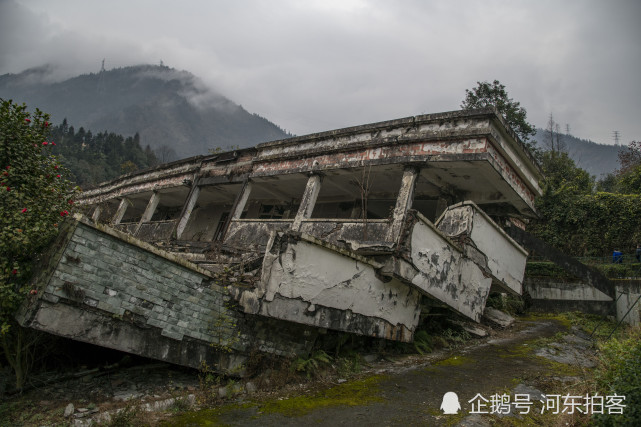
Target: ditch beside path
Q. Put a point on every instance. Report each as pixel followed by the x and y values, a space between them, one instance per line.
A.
pixel 534 356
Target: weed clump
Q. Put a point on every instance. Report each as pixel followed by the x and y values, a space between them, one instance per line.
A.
pixel 619 373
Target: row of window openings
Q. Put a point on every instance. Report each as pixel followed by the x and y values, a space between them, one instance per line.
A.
pixel 376 209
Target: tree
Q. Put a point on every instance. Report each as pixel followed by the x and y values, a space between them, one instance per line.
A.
pixel 553 138
pixel 494 95
pixel 578 221
pixel 35 196
pixel 629 174
pixel 626 179
pixel 562 174
pixel 165 154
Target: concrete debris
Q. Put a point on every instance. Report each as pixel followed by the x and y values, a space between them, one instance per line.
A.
pixel 69 410
pixel 472 329
pixel 250 388
pixel 497 318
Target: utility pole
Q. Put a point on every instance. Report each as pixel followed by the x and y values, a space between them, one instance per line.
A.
pixel 616 134
pixel 567 128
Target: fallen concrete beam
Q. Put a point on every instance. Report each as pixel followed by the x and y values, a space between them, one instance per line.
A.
pixel 439 269
pixel 485 242
pixel 307 281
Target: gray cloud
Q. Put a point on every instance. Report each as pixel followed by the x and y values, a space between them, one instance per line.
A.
pixel 318 65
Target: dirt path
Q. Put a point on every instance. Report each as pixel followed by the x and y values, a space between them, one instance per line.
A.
pixel 412 395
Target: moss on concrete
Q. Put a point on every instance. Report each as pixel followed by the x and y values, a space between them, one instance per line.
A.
pixel 354 393
pixel 454 361
pixel 206 417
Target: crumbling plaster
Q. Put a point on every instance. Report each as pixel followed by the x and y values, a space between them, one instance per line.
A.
pixel 317 284
pixel 482 239
pixel 444 273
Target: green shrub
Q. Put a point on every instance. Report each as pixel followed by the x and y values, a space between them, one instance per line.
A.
pixel 620 372
pixel 422 342
pixel 35 197
pixel 311 365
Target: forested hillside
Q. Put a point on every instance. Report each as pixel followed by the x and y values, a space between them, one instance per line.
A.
pixel 92 159
pixel 172 111
pixel 596 159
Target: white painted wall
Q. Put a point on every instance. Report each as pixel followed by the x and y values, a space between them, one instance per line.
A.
pixel 445 275
pixel 323 277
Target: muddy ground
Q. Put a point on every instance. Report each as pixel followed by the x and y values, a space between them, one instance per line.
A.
pixel 534 356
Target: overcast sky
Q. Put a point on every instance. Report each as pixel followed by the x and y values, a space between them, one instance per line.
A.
pixel 314 65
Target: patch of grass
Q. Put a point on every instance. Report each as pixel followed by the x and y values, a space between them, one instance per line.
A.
pixel 522 351
pixel 454 361
pixel 205 417
pixel 348 365
pixel 312 364
pixel 130 416
pixel 562 318
pixel 615 271
pixel 555 368
pixel 423 342
pixel 360 392
pixel 620 372
pixel 181 404
pixel 547 269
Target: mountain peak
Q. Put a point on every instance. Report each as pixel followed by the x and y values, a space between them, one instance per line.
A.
pixel 167 107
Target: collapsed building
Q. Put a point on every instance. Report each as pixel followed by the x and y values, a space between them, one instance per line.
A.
pixel 358 230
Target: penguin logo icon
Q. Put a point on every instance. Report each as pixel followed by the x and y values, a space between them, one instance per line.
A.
pixel 450 405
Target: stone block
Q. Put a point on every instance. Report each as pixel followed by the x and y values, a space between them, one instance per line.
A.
pixel 173 335
pixel 103 305
pixel 89 268
pixel 76 238
pixel 156 323
pixel 50 297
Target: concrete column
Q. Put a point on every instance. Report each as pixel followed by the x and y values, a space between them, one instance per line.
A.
pixel 308 201
pixel 241 201
pixel 149 210
pixel 122 208
pixel 96 213
pixel 403 203
pixel 189 207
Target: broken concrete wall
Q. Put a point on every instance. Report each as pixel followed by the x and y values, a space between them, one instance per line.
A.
pixel 577 295
pixel 483 240
pixel 628 307
pixel 155 231
pixel 307 281
pixel 112 290
pixel 440 270
pixel 352 233
pixel 549 295
pixel 253 235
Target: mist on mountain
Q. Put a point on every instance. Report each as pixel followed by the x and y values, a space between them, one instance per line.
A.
pixel 173 111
